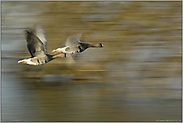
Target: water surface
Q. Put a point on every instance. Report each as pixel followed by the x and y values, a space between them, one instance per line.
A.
pixel 135 77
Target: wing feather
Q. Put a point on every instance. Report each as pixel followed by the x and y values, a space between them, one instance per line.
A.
pixel 41 34
pixel 73 41
pixel 36 42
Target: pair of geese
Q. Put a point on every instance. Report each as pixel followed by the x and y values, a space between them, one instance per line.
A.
pixel 37 43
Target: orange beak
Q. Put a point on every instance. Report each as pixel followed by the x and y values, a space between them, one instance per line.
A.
pixel 56 52
pixel 24 62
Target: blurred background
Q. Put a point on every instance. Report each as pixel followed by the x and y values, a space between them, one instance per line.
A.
pixel 135 77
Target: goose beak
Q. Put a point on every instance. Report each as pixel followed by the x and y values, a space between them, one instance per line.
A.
pixel 56 52
pixel 23 62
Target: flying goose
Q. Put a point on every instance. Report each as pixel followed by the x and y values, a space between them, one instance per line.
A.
pixel 73 45
pixel 36 44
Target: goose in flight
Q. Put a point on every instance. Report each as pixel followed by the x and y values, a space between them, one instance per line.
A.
pixel 36 44
pixel 73 45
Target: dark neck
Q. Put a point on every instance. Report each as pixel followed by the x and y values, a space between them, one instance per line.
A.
pixel 93 45
pixel 57 56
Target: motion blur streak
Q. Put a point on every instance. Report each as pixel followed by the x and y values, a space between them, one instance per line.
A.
pixel 135 77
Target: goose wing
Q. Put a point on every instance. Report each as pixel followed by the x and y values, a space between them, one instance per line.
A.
pixel 36 41
pixel 73 41
pixel 41 34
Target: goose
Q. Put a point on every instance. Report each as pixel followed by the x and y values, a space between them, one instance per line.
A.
pixel 73 45
pixel 36 44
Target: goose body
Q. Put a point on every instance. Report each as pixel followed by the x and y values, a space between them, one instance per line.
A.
pixel 73 45
pixel 36 44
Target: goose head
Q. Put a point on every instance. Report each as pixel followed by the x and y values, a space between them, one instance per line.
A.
pixel 98 45
pixel 101 45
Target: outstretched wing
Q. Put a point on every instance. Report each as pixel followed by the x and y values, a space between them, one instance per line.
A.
pixel 73 41
pixel 41 34
pixel 36 41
